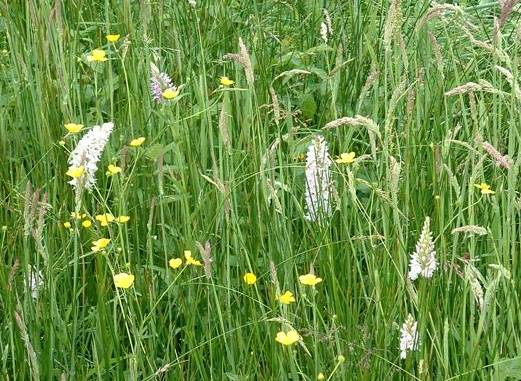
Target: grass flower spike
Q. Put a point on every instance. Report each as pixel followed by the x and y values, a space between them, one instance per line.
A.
pixel 318 180
pixel 175 263
pixel 309 280
pixel 288 338
pixel 123 280
pixel 36 281
pixel 73 128
pixel 97 55
pixel 408 336
pixel 423 260
pixel 250 278
pixel 161 85
pixel 88 152
pixel 501 160
pixel 485 188
pixel 137 142
pixel 286 298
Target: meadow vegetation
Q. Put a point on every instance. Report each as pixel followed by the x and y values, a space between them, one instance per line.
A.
pixel 260 190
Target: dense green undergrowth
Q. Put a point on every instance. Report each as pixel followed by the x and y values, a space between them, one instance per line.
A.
pixel 427 97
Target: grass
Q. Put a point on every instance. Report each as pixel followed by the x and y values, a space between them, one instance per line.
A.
pixel 222 171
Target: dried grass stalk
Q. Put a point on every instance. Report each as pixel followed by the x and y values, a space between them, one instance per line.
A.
pixel 470 229
pixel 501 160
pixel 482 86
pixel 244 59
pixel 275 104
pixel 224 127
pixel 438 10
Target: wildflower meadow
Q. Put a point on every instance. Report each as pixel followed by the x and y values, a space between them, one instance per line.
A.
pixel 260 190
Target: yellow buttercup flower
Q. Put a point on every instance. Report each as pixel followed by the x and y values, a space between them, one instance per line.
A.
pixel 321 376
pixel 67 225
pixel 250 278
pixel 286 298
pixel 123 280
pixel 190 260
pixel 86 224
pixel 113 170
pixel 485 188
pixel 300 157
pixel 225 81
pixel 105 219
pixel 287 338
pixel 73 128
pixel 309 280
pixel 175 263
pixel 170 93
pixel 112 37
pixel 137 142
pixel 346 158
pixel 76 172
pixel 100 244
pixel 98 55
pixel 78 216
pixel 123 219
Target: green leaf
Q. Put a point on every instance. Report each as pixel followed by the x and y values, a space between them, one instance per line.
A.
pixel 156 150
pixel 508 369
pixel 308 106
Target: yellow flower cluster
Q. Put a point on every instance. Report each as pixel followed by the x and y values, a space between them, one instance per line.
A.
pixel 76 172
pixel 175 263
pixel 112 37
pixel 97 55
pixel 288 338
pixel 484 188
pixel 113 170
pixel 73 128
pixel 250 278
pixel 100 244
pixel 190 260
pixel 346 158
pixel 292 336
pixel 86 223
pixel 106 218
pixel 123 280
pixel 226 82
pixel 137 142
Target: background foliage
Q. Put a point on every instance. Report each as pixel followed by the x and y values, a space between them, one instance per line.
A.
pixel 391 62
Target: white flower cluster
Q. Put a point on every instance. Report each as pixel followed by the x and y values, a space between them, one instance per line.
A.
pixel 87 154
pixel 326 28
pixel 423 260
pixel 409 336
pixel 35 281
pixel 318 180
